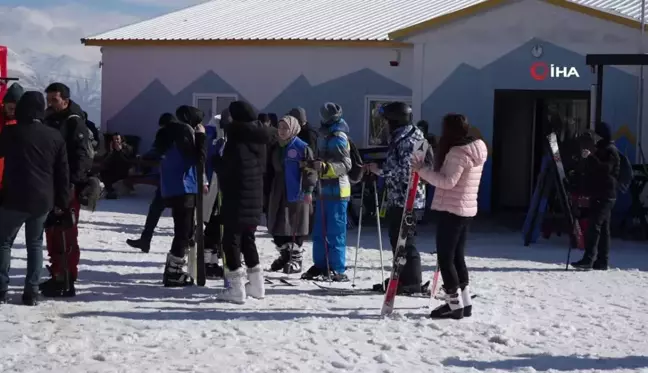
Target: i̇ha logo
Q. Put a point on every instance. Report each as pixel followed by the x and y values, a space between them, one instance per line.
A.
pixel 541 71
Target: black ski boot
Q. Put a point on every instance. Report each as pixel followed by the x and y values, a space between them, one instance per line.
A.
pixel 335 277
pixel 55 287
pixel 583 264
pixel 174 273
pixel 280 263
pixel 600 265
pixel 212 270
pixel 313 273
pixel 4 298
pixel 453 307
pixel 30 298
pixel 294 265
pixel 142 244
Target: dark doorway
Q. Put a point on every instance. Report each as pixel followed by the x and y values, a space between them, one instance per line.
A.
pixel 521 120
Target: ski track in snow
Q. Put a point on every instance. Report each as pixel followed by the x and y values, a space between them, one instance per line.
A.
pixel 530 315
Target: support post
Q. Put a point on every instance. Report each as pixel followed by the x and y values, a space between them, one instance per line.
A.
pixel 599 95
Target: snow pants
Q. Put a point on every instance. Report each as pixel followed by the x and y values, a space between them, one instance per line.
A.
pixel 333 229
pixel 54 238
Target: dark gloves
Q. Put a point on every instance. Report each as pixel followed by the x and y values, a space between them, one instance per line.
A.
pixel 61 219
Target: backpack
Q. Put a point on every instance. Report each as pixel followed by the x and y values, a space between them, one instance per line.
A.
pixel 91 143
pixel 356 172
pixel 626 173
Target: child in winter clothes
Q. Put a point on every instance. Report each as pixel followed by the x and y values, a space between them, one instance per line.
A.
pixel 405 139
pixel 331 210
pixel 240 176
pixel 291 195
pixel 179 186
pixel 456 175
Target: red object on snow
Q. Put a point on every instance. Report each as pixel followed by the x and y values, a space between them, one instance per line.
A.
pixel 3 71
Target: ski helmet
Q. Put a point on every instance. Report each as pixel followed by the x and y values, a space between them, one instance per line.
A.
pixel 397 113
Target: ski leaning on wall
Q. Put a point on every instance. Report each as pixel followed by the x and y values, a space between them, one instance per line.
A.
pixel 539 202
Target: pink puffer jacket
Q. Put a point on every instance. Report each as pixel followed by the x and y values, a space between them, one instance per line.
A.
pixel 457 184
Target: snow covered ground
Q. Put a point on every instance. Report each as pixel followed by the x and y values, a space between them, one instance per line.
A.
pixel 530 315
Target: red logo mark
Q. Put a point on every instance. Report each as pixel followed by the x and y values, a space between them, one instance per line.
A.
pixel 539 70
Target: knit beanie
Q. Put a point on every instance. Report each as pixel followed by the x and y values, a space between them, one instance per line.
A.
pixel 243 112
pixel 330 113
pixel 30 107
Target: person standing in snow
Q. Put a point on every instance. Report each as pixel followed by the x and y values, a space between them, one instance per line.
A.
pixel 329 231
pixel 405 139
pixel 456 174
pixel 240 172
pixel 291 196
pixel 601 169
pixel 178 188
pixel 67 117
pixel 8 113
pixel 36 181
pixel 157 206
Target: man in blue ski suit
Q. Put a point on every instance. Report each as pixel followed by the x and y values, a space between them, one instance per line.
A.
pixel 329 231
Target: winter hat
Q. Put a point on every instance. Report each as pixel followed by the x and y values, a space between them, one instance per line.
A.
pixel 190 115
pixel 604 130
pixel 13 94
pixel 300 114
pixel 165 119
pixel 330 113
pixel 30 107
pixel 242 111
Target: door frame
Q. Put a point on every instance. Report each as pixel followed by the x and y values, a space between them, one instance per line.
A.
pixel 536 96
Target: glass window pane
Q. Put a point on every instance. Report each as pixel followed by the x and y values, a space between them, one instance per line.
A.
pixel 223 103
pixel 205 105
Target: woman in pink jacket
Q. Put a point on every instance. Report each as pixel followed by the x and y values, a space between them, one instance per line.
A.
pixel 456 174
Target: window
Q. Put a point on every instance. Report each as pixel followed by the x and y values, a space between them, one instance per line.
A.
pixel 213 103
pixel 377 133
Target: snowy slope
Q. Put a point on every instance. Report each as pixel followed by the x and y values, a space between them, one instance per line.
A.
pixel 530 315
pixel 36 70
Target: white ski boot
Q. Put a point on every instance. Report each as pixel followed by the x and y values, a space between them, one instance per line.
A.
pixel 467 301
pixel 255 288
pixel 452 309
pixel 235 293
pixel 174 273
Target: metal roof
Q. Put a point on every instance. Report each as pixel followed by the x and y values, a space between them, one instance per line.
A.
pixel 308 19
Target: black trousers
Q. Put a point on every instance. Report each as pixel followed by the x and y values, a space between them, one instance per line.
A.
pixel 411 273
pixel 452 231
pixel 239 240
pixel 282 240
pixel 597 237
pixel 156 208
pixel 212 233
pixel 182 211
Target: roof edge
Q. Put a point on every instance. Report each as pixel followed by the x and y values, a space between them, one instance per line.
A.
pixel 446 18
pixel 490 4
pixel 245 43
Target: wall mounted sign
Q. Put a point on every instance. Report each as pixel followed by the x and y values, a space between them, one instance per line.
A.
pixel 542 71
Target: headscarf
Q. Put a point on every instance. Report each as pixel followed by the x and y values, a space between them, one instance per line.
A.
pixel 293 128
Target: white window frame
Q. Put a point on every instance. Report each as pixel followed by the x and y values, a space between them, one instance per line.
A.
pixel 367 111
pixel 214 97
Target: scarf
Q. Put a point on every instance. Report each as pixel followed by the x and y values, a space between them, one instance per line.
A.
pixel 293 128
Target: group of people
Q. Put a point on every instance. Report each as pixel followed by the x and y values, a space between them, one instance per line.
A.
pixel 46 153
pixel 298 176
pixel 295 174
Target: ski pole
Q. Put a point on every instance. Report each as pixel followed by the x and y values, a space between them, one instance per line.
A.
pixel 435 281
pixel 380 245
pixel 355 262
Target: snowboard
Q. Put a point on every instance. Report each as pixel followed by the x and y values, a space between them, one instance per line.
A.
pixel 200 225
pixel 408 222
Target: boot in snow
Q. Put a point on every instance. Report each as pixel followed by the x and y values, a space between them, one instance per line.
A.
pixel 235 293
pixel 467 301
pixel 55 286
pixel 174 273
pixel 255 288
pixel 283 259
pixel 142 244
pixel 294 265
pixel 4 298
pixel 582 264
pixel 29 298
pixel 312 273
pixel 453 307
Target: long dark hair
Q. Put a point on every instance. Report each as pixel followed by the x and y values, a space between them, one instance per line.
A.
pixel 454 129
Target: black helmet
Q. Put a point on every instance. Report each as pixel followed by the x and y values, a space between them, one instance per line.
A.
pixel 398 113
